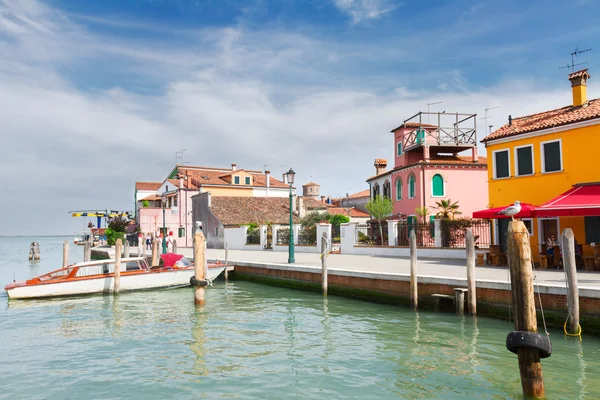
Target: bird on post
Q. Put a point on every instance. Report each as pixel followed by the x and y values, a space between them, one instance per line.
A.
pixel 511 211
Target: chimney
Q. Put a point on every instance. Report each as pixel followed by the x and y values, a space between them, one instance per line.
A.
pixel 474 154
pixel 233 167
pixel 426 153
pixel 188 180
pixel 268 179
pixel 285 178
pixel 579 87
pixel 209 200
pixel 301 210
pixel 510 120
pixel 380 165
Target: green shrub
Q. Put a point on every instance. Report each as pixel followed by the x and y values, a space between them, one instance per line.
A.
pixel 112 236
pixel 145 203
pixel 118 224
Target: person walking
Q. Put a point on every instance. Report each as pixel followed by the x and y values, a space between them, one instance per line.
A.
pixel 170 242
pixel 149 242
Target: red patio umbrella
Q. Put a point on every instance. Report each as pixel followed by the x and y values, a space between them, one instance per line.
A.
pixel 527 211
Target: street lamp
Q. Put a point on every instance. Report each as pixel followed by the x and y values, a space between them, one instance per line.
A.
pixel 163 199
pixel 290 179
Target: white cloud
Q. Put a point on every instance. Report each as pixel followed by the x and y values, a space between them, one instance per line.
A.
pixel 361 10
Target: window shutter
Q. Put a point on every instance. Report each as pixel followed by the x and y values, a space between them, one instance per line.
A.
pixel 438 185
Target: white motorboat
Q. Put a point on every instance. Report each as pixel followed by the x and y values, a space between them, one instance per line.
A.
pixel 98 277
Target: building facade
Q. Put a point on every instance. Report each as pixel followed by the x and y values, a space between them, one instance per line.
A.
pixel 185 181
pixel 428 166
pixel 538 157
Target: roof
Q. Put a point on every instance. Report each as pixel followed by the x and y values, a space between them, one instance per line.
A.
pixel 311 203
pixel 381 161
pixel 232 210
pixel 311 184
pixel 581 200
pixel 465 161
pixel 364 193
pixel 580 74
pixel 201 176
pixel 527 211
pixel 547 119
pixel 344 211
pixel 414 125
pixel 150 186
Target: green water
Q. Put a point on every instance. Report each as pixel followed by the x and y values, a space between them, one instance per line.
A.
pixel 253 342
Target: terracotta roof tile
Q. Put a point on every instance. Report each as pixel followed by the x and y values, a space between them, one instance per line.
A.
pixel 547 119
pixel 414 125
pixel 364 193
pixel 381 161
pixel 311 184
pixel 147 185
pixel 344 211
pixel 579 74
pixel 245 210
pixel 455 160
pixel 216 177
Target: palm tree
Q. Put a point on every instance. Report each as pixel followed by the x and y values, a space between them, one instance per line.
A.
pixel 447 209
pixel 422 212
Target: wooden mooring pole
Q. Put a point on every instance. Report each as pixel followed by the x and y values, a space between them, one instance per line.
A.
pixel 226 263
pixel 523 300
pixel 117 278
pixel 199 268
pixel 174 246
pixel 34 251
pixel 414 296
pixel 471 286
pixel 324 254
pixel 65 262
pixel 154 260
pixel 87 251
pixel 569 262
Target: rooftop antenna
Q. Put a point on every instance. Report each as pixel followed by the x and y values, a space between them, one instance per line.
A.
pixel 486 115
pixel 574 54
pixel 266 165
pixel 431 104
pixel 179 156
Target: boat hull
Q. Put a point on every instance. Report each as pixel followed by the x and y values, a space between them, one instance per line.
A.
pixel 104 284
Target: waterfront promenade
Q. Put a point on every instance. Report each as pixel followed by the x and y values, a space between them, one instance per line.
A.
pixel 376 265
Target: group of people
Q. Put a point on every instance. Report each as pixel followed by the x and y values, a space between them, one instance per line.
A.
pixel 158 236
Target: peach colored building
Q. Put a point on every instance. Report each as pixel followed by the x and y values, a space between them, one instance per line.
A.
pixel 433 162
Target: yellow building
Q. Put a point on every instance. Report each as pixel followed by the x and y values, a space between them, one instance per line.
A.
pixel 538 157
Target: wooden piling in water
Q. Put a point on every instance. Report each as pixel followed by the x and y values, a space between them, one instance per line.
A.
pixel 175 246
pixel 414 296
pixel 226 263
pixel 569 262
pixel 471 283
pixel 117 278
pixel 65 262
pixel 87 251
pixel 199 267
pixel 154 260
pixel 324 254
pixel 34 251
pixel 523 300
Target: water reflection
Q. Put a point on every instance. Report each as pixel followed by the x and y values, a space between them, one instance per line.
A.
pixel 198 344
pixel 582 367
pixel 329 346
pixel 473 347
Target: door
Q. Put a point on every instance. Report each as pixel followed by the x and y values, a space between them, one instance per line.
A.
pixel 549 228
pixel 503 234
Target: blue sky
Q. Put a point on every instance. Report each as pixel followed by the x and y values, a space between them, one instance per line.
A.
pixel 97 95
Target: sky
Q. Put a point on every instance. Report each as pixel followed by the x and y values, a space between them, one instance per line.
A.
pixel 95 96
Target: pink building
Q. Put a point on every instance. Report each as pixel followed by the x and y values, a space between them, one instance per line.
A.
pixel 428 167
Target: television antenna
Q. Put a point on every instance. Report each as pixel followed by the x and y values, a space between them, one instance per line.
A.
pixel 574 54
pixel 179 156
pixel 486 117
pixel 431 104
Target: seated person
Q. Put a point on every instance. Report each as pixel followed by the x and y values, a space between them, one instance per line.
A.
pixel 550 243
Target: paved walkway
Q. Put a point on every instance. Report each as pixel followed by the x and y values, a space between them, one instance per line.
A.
pixel 443 268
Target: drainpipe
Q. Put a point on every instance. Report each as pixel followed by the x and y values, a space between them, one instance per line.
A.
pixel 423 184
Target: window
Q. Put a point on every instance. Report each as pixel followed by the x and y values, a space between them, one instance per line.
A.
pixel 310 189
pixel 175 201
pixel 398 189
pixel 411 186
pixel 551 156
pixel 438 185
pixel 236 180
pixel 524 160
pixel 399 148
pixel 375 190
pixel 501 164
pixel 592 229
pixel 247 179
pixel 387 190
pixel 529 225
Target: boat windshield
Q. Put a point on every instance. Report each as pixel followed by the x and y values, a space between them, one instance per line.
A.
pixel 183 262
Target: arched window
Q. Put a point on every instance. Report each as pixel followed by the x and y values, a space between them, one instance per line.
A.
pixel 399 189
pixel 375 190
pixel 387 190
pixel 437 183
pixel 411 186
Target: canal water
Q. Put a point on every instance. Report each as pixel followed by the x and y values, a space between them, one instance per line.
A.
pixel 256 342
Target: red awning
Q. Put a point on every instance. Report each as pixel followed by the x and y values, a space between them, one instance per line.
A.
pixel 492 213
pixel 582 200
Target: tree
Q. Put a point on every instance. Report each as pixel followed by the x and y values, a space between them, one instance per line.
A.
pixel 145 203
pixel 422 213
pixel 380 208
pixel 447 209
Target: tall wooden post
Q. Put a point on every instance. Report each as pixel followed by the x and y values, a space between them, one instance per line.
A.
pixel 568 249
pixel 523 300
pixel 154 252
pixel 472 293
pixel 143 252
pixel 117 278
pixel 199 260
pixel 324 254
pixel 65 263
pixel 87 251
pixel 226 262
pixel 126 249
pixel 414 296
pixel 174 246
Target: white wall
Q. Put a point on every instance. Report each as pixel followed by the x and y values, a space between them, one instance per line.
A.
pixel 273 192
pixel 235 238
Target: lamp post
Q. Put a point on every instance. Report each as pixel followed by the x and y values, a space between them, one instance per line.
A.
pixel 163 199
pixel 290 178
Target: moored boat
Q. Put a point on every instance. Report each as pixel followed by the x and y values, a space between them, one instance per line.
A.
pixel 98 277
